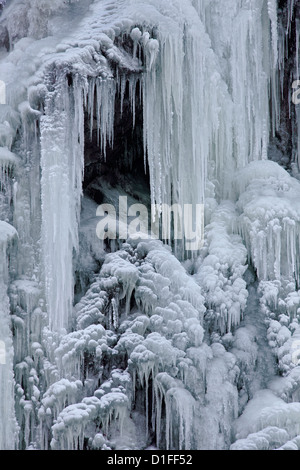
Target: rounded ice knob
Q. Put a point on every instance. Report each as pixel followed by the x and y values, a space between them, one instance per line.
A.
pixel 153 45
pixel 136 34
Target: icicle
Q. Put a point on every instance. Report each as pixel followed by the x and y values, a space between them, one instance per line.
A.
pixel 115 312
pixel 179 412
pixel 135 35
pixel 272 10
pixel 174 110
pixel 105 111
pixel 91 106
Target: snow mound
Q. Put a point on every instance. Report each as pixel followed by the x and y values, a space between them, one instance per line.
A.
pixel 269 219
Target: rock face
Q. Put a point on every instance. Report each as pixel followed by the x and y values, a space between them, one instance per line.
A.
pixel 136 342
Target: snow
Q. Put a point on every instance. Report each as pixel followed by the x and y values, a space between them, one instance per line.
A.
pixel 269 215
pixel 267 439
pixel 68 431
pixel 224 252
pixel 269 423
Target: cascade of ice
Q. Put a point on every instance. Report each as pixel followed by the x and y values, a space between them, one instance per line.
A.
pixel 62 165
pixel 175 110
pixel 236 126
pixel 178 154
pixel 245 34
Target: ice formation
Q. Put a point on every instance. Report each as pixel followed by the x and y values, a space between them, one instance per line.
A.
pixel 8 422
pixel 134 343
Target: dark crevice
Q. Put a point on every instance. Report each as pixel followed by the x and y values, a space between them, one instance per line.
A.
pixel 123 164
pixel 283 146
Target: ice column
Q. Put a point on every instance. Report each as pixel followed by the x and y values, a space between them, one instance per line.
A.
pixel 62 163
pixel 62 152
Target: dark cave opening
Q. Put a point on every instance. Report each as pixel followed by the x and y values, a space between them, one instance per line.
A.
pixel 124 163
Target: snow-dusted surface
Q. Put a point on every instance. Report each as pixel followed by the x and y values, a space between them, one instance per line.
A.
pixel 155 347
